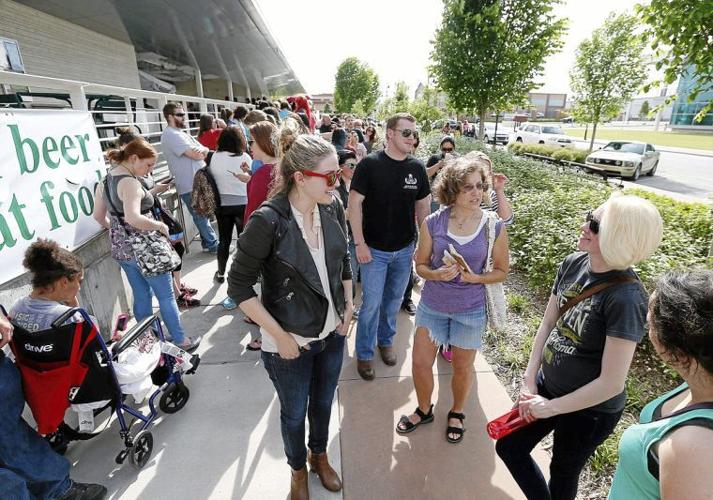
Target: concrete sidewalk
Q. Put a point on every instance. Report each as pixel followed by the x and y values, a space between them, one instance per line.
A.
pixel 226 443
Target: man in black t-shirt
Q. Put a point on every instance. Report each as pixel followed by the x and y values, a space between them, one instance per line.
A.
pixel 389 193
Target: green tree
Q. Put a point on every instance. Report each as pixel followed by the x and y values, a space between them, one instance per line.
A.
pixel 355 80
pixel 487 53
pixel 358 108
pixel 397 103
pixel 609 68
pixel 327 108
pixel 681 34
pixel 644 111
pixel 424 109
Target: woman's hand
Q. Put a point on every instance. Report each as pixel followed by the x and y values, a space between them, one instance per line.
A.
pixel 160 188
pixel 446 273
pixel 535 407
pixel 6 330
pixel 287 347
pixel 343 327
pixel 470 277
pixel 499 181
pixel 245 167
pixel 163 229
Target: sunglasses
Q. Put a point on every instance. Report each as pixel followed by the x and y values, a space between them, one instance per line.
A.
pixel 407 132
pixel 330 177
pixel 447 150
pixel 351 164
pixel 180 115
pixel 593 223
pixel 478 185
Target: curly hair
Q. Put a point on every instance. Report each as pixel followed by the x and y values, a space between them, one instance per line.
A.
pixel 49 262
pixel 453 175
pixel 682 316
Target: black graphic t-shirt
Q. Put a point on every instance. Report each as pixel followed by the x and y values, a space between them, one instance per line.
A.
pixel 572 356
pixel 390 189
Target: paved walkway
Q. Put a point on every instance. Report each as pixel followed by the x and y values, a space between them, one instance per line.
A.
pixel 226 444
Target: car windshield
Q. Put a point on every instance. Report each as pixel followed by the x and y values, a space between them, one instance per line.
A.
pixel 625 147
pixel 552 130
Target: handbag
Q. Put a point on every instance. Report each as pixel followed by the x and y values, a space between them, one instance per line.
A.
pixel 153 252
pixel 175 230
pixel 494 292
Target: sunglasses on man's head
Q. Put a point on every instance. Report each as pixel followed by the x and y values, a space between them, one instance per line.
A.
pixel 593 223
pixel 407 132
pixel 330 177
pixel 478 185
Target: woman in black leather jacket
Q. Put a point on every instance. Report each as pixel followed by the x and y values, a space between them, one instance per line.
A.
pixel 297 241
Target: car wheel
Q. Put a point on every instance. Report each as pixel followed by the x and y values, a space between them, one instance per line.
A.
pixel 519 139
pixel 541 142
pixel 637 173
pixel 485 139
pixel 651 172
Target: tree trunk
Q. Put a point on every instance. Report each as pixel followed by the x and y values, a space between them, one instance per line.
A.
pixel 495 133
pixel 586 129
pixel 481 127
pixel 594 133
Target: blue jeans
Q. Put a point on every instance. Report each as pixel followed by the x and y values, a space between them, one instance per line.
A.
pixel 162 286
pixel 383 283
pixel 305 386
pixel 28 466
pixel 208 237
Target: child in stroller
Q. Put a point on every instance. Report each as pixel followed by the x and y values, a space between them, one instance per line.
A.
pixel 64 361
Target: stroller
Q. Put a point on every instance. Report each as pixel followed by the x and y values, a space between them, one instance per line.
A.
pixel 71 364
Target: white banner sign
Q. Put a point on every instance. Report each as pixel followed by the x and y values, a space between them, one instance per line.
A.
pixel 50 162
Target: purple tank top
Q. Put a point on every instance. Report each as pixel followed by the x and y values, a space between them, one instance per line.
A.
pixel 456 296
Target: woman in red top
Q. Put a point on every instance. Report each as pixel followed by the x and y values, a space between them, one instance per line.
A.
pixel 209 132
pixel 262 135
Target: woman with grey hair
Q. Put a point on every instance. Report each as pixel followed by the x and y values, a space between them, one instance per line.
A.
pixel 297 242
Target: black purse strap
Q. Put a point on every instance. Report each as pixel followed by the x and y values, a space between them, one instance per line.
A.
pixel 591 291
pixel 119 215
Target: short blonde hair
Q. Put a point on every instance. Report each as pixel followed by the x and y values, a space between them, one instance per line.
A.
pixel 453 175
pixel 630 230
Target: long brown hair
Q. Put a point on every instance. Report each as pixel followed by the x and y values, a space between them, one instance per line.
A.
pixel 139 147
pixel 265 135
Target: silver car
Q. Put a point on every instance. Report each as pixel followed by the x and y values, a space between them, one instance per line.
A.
pixel 625 158
pixel 503 134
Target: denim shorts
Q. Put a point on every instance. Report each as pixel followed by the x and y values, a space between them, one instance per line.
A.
pixel 462 329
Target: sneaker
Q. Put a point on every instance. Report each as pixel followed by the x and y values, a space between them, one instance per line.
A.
pixel 85 491
pixel 186 301
pixel 212 251
pixel 219 278
pixel 190 343
pixel 229 304
pixel 188 290
pixel 446 353
pixel 409 308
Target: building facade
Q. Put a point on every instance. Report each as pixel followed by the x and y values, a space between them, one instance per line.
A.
pixel 684 112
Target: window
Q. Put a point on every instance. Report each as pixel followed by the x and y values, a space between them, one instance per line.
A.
pixel 649 147
pixel 10 59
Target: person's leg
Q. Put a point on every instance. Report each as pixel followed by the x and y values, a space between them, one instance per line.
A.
pixel 325 374
pixel 576 437
pixel 162 286
pixel 225 236
pixel 461 382
pixel 373 276
pixel 139 287
pixel 292 379
pixel 208 237
pixel 29 468
pixel 514 450
pixel 396 280
pixel 424 354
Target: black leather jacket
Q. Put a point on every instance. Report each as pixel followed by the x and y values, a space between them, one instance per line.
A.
pixel 272 246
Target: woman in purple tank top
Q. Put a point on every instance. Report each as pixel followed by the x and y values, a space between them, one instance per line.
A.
pixel 452 310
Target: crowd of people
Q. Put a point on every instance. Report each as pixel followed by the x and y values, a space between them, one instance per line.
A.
pixel 319 204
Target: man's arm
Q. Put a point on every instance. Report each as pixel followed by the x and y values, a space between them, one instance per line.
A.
pixel 356 199
pixel 423 209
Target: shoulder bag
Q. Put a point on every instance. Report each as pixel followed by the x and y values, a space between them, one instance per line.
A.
pixel 494 292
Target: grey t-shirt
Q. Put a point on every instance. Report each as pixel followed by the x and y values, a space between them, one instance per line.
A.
pixel 175 142
pixel 36 315
pixel 572 356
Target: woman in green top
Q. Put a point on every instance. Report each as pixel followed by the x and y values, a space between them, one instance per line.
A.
pixel 669 453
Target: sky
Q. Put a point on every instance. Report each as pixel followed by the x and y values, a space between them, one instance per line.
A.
pixel 394 38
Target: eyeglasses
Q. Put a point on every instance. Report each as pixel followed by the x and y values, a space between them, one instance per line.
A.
pixel 351 164
pixel 593 223
pixel 330 177
pixel 407 132
pixel 478 185
pixel 180 115
pixel 447 150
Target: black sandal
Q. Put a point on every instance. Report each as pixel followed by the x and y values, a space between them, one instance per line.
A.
pixel 408 426
pixel 455 430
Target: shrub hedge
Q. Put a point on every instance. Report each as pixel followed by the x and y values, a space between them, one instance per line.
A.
pixel 550 203
pixel 554 152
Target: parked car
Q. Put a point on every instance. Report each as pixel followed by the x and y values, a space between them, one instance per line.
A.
pixel 568 119
pixel 626 158
pixel 503 136
pixel 531 133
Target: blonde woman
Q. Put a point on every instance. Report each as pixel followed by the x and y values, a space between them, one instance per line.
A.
pixel 452 310
pixel 574 382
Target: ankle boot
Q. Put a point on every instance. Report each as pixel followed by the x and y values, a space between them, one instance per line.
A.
pixel 319 464
pixel 298 486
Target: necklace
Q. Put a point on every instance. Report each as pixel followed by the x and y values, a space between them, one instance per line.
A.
pixel 464 221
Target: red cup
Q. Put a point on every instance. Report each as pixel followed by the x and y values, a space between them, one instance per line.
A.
pixel 506 424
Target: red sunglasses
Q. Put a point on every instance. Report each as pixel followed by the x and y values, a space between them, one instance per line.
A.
pixel 330 177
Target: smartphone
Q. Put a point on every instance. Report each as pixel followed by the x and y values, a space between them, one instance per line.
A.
pixel 231 172
pixel 168 181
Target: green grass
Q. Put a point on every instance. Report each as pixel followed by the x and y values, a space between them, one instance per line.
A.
pixel 675 139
